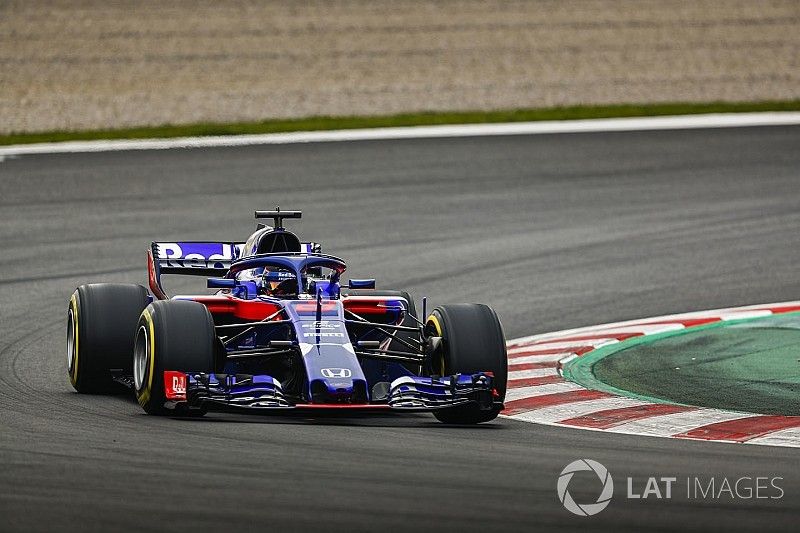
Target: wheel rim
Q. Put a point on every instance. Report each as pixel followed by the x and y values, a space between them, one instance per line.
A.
pixel 70 341
pixel 141 354
pixel 437 328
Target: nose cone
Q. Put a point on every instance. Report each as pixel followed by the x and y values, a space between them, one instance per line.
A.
pixel 338 383
pixel 339 390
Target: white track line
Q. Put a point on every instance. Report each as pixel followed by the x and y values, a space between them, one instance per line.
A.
pixel 554 336
pixel 595 343
pixel 655 425
pixel 783 437
pixel 721 120
pixel 549 358
pixel 644 329
pixel 533 373
pixel 674 423
pixel 744 314
pixel 558 413
pixel 541 390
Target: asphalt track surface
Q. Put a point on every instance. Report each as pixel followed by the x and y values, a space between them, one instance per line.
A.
pixel 554 231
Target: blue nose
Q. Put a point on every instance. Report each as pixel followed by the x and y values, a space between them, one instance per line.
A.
pixel 339 390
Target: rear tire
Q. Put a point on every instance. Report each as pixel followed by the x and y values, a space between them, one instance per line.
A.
pixel 101 325
pixel 171 335
pixel 472 342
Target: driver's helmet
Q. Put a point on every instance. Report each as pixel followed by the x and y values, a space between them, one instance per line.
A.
pixel 277 283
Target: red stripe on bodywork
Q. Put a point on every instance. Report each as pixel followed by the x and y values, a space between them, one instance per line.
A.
pixel 311 308
pixel 742 429
pixel 532 366
pixel 609 418
pixel 361 305
pixel 546 400
pixel 531 382
pixel 369 309
pixel 245 309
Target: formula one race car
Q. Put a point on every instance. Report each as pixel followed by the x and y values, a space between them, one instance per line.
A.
pixel 281 333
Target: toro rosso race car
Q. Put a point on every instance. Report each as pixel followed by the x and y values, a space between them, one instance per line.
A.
pixel 282 333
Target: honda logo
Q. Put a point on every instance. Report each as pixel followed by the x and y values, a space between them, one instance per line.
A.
pixel 336 372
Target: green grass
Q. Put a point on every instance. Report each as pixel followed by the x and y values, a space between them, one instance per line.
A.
pixel 407 119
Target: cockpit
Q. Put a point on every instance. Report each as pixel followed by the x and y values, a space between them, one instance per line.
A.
pixel 285 275
pixel 282 282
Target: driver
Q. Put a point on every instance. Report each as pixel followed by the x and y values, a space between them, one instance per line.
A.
pixel 277 283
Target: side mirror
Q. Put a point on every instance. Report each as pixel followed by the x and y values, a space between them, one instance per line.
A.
pixel 220 283
pixel 328 288
pixel 361 284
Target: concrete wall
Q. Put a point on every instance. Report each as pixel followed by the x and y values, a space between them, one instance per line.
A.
pixel 98 64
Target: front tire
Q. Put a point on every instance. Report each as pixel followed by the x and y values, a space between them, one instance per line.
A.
pixel 171 335
pixel 472 342
pixel 101 325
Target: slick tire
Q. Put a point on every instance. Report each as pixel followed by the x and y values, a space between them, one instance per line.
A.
pixel 101 325
pixel 472 341
pixel 171 335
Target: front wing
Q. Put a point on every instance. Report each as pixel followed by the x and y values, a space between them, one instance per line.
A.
pixel 262 393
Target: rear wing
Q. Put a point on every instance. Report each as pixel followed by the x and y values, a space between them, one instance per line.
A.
pixel 195 258
pixel 189 258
